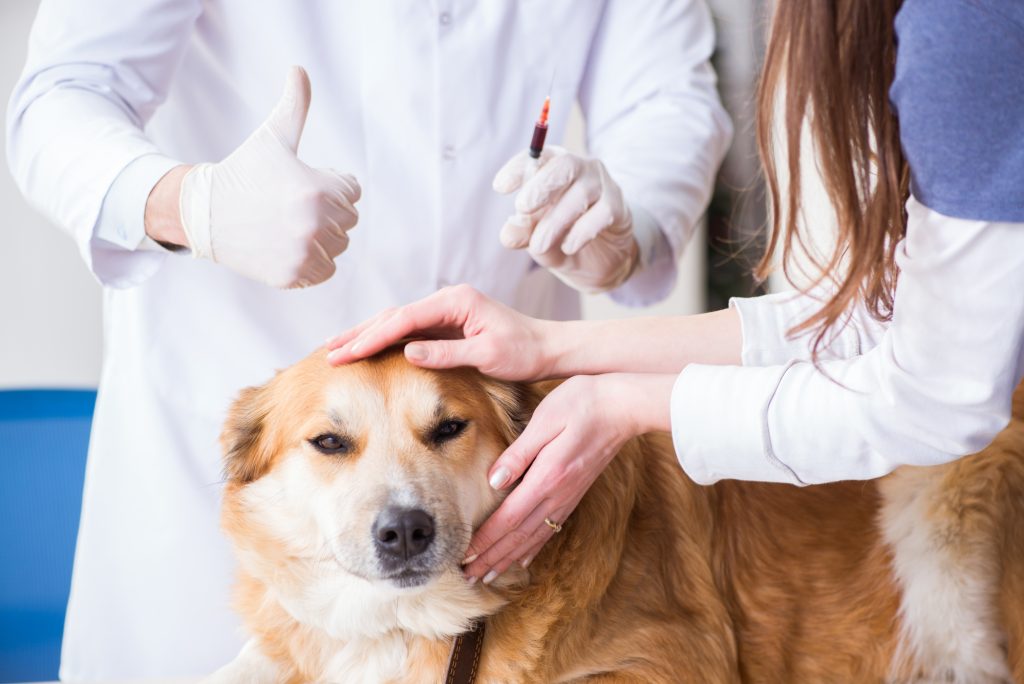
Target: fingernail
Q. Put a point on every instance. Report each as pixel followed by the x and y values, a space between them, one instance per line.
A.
pixel 526 562
pixel 469 559
pixel 499 477
pixel 472 580
pixel 490 576
pixel 415 352
pixel 353 347
pixel 333 356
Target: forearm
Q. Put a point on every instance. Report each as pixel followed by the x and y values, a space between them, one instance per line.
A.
pixel 652 110
pixel 641 345
pixel 65 163
pixel 766 322
pixel 937 386
pixel 93 76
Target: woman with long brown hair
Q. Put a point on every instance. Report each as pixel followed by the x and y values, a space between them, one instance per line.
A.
pixel 906 347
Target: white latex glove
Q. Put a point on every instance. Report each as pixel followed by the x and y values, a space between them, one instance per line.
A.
pixel 263 213
pixel 571 217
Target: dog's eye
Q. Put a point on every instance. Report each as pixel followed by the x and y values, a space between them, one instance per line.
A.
pixel 330 444
pixel 448 430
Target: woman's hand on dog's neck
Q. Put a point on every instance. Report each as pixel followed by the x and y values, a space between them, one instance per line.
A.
pixel 573 435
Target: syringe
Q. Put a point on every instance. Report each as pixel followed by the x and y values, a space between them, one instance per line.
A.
pixel 515 234
pixel 540 130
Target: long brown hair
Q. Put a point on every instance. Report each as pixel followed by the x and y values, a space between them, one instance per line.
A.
pixel 835 61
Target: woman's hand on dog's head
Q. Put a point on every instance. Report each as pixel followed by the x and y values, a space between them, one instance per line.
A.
pixel 463 328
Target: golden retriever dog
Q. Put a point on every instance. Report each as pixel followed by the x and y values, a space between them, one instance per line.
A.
pixel 352 494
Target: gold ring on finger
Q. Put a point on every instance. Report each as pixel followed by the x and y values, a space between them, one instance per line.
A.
pixel 552 524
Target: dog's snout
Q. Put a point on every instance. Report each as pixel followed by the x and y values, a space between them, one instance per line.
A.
pixel 403 532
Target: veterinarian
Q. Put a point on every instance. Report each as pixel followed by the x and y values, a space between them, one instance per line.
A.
pixel 907 349
pixel 149 131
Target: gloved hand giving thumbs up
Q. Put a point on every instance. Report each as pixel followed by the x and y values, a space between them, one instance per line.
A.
pixel 263 213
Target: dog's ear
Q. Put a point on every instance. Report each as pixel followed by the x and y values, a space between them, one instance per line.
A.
pixel 244 440
pixel 515 403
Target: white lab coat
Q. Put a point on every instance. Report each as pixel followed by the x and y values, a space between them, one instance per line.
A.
pixel 422 101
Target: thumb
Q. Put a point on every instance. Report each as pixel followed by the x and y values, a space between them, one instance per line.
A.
pixel 441 353
pixel 512 464
pixel 289 115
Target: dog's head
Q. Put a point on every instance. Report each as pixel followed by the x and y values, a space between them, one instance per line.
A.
pixel 374 473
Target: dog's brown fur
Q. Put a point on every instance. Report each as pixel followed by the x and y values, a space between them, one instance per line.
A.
pixel 655 579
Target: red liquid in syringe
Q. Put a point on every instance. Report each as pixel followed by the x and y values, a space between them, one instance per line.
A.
pixel 540 130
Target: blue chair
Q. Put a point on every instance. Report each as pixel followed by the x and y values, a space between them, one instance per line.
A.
pixel 44 435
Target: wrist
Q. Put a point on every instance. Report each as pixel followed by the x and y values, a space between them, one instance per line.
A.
pixel 643 400
pixel 162 218
pixel 559 348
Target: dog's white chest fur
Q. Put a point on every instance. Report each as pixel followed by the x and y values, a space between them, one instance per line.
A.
pixel 382 659
pixel 363 632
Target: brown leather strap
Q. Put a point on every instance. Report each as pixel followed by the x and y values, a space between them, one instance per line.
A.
pixel 464 660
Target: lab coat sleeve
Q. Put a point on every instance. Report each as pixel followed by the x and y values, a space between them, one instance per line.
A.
pixel 937 386
pixel 655 120
pixel 766 322
pixel 96 71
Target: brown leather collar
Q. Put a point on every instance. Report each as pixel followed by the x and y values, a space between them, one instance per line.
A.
pixel 464 659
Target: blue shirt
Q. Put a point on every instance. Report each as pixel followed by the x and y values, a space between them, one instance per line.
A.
pixel 959 95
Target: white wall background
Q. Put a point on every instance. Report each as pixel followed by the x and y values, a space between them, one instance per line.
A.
pixel 50 321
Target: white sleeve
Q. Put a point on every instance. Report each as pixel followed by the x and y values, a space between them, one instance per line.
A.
pixel 766 321
pixel 96 71
pixel 655 120
pixel 938 385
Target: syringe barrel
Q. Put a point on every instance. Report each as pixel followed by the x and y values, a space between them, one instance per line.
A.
pixel 537 143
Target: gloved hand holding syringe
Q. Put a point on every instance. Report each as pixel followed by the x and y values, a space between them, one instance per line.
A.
pixel 570 214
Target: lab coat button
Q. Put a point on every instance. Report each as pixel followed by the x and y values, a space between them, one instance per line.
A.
pixel 445 18
pixel 448 152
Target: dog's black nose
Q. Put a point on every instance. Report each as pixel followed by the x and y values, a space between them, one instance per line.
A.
pixel 403 532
